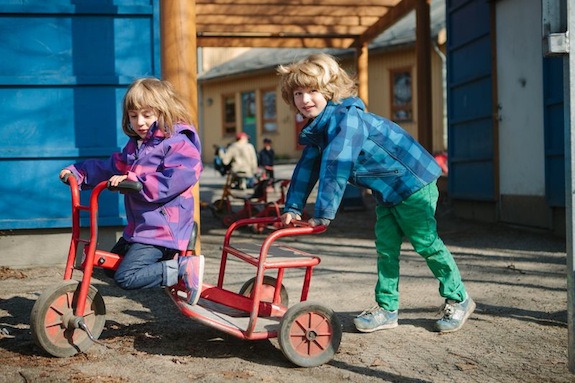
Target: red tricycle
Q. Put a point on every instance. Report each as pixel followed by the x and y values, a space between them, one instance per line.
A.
pixel 254 205
pixel 70 316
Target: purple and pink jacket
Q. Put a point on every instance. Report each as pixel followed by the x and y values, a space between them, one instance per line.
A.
pixel 162 213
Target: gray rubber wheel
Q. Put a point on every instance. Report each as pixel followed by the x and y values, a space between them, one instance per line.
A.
pixel 52 312
pixel 310 334
pixel 268 287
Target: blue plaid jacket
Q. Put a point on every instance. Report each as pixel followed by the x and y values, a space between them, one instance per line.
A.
pixel 347 144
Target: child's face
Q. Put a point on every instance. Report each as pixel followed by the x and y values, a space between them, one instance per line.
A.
pixel 141 120
pixel 309 102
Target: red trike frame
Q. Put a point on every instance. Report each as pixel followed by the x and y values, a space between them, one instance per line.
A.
pixel 69 317
pixel 266 257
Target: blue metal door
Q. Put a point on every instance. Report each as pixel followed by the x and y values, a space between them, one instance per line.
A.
pixel 471 131
pixel 554 131
pixel 64 70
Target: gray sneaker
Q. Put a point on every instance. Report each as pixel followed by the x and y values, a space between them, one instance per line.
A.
pixel 375 319
pixel 454 314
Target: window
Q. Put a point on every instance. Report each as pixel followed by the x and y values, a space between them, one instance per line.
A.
pixel 249 115
pixel 401 100
pixel 229 124
pixel 269 111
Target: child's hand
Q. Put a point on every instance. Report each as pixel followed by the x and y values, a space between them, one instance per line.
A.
pixel 63 173
pixel 115 180
pixel 286 218
pixel 319 222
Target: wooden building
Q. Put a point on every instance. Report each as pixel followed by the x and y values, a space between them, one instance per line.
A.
pixel 243 95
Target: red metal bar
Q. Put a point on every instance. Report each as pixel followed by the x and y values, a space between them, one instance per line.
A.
pixel 85 283
pixel 299 228
pixel 279 280
pixel 306 284
pixel 75 195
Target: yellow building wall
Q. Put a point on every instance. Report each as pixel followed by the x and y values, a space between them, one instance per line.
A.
pixel 285 138
pixel 211 57
pixel 212 109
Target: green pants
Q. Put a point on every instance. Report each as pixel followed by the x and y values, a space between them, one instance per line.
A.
pixel 414 218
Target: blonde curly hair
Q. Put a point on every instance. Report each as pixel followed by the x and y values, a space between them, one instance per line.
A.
pixel 159 95
pixel 318 71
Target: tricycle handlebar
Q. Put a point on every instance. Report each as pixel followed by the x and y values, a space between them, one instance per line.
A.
pixel 294 228
pixel 124 186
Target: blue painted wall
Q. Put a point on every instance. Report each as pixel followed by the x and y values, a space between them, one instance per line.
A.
pixel 472 145
pixel 469 101
pixel 64 70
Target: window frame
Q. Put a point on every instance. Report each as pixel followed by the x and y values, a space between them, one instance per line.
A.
pixel 401 94
pixel 229 127
pixel 272 122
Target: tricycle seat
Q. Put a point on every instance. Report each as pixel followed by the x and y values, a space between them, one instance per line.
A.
pixel 278 255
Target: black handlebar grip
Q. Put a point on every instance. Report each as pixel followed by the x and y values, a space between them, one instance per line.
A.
pixel 126 186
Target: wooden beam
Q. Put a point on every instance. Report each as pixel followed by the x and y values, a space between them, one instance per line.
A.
pixel 274 42
pixel 281 29
pixel 265 10
pixel 179 63
pixel 394 14
pixel 206 20
pixel 423 54
pixel 299 3
pixel 291 23
pixel 362 64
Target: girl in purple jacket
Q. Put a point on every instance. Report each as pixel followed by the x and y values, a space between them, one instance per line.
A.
pixel 163 153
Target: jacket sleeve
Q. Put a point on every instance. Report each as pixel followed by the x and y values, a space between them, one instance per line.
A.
pixel 91 172
pixel 303 179
pixel 253 159
pixel 180 170
pixel 228 155
pixel 345 139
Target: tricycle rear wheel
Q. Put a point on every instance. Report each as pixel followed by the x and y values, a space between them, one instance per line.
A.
pixel 51 314
pixel 268 288
pixel 310 334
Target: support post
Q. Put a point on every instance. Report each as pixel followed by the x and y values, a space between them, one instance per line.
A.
pixel 362 59
pixel 569 110
pixel 557 19
pixel 179 63
pixel 423 54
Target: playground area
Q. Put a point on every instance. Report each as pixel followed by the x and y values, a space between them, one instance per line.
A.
pixel 518 332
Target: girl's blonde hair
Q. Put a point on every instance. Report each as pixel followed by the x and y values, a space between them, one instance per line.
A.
pixel 159 95
pixel 320 72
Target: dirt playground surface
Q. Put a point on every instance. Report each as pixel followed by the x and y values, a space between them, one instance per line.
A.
pixel 518 332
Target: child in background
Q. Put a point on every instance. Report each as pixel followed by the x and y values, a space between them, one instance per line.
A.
pixel 243 159
pixel 344 143
pixel 266 159
pixel 163 153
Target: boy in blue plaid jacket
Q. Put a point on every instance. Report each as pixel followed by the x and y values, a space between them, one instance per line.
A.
pixel 344 143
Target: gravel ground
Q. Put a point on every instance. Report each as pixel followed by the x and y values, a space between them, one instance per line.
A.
pixel 518 332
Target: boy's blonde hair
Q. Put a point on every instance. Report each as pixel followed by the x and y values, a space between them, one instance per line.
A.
pixel 320 72
pixel 159 95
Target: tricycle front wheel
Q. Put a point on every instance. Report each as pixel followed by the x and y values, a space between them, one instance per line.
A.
pixel 310 334
pixel 51 316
